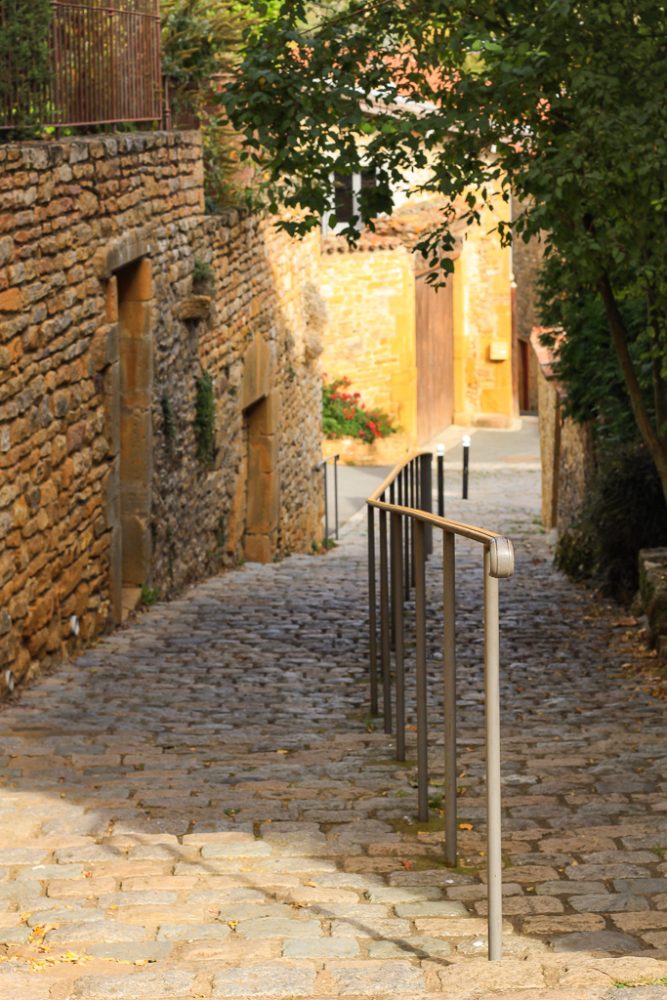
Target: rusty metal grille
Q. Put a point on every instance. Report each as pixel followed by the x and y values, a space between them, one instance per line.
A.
pixel 103 67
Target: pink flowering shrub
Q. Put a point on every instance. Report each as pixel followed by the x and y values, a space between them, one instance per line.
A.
pixel 344 414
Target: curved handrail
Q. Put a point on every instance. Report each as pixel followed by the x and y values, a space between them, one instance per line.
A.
pixel 393 475
pixel 403 551
pixel 500 547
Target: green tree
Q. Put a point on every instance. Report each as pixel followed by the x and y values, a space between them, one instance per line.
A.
pixel 558 101
pixel 25 58
pixel 201 45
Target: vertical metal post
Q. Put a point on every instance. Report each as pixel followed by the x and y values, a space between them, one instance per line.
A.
pixel 407 528
pixel 441 480
pixel 492 708
pixel 413 503
pixel 384 624
pixel 336 457
pixel 466 464
pixel 326 504
pixel 392 570
pixel 449 660
pixel 372 612
pixel 397 601
pixel 422 715
pixel 426 496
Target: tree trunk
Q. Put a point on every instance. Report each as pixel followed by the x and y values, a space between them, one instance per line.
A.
pixel 655 443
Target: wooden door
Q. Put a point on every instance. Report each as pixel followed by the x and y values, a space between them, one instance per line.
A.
pixel 435 356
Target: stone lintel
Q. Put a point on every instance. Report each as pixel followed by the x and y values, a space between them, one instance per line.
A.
pixel 124 251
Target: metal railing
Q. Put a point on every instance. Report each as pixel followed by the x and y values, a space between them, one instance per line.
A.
pixel 102 67
pixel 322 467
pixel 404 500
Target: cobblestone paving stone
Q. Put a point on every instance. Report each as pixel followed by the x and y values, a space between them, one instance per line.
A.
pixel 200 806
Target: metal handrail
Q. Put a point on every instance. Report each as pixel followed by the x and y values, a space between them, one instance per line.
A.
pixel 402 566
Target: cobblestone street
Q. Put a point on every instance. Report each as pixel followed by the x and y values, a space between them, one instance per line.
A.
pixel 200 806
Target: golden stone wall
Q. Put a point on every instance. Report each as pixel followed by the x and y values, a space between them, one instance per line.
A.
pixel 483 391
pixel 370 334
pixel 370 337
pixel 102 339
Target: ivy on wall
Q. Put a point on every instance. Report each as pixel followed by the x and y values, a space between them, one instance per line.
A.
pixel 205 419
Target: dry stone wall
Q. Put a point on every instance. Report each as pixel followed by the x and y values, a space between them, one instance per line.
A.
pixel 117 295
pixel 566 449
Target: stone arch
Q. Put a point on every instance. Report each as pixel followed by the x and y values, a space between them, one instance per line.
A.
pixel 260 404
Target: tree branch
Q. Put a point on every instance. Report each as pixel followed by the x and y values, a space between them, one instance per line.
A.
pixel 619 336
pixel 660 398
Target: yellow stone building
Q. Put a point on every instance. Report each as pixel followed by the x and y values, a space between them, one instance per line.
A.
pixel 428 357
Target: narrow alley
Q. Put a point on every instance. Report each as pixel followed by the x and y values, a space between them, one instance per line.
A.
pixel 201 806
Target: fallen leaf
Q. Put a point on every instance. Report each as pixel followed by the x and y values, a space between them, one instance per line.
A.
pixel 408 865
pixel 465 826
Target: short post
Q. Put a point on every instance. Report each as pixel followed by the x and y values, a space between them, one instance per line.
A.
pixel 441 480
pixel 335 461
pixel 466 464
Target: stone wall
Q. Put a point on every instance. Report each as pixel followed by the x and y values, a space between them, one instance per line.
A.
pixel 104 340
pixel 483 384
pixel 576 467
pixel 566 449
pixel 653 593
pixel 550 426
pixel 370 338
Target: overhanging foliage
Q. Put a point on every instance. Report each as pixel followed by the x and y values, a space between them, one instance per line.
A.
pixel 559 101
